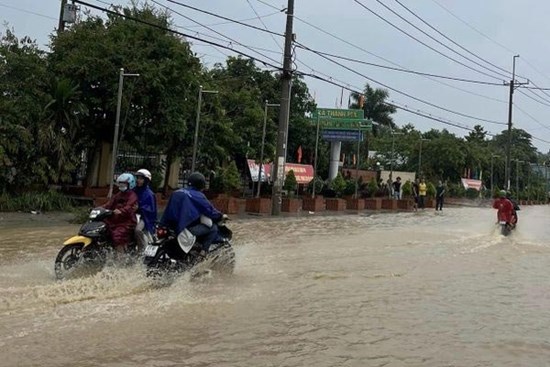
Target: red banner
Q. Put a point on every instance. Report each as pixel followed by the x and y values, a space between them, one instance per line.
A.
pixel 471 184
pixel 303 172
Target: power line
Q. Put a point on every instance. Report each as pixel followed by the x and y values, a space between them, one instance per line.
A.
pixel 429 76
pixel 240 20
pixel 409 95
pixel 531 117
pixel 395 104
pixel 399 69
pixel 449 39
pixel 213 30
pixel 28 12
pixel 382 58
pixel 225 18
pixel 533 98
pixel 265 26
pixel 488 38
pixel 423 43
pixel 137 20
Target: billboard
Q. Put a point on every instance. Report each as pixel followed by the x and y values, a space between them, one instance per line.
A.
pixel 303 172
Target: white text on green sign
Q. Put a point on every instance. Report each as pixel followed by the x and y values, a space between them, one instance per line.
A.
pixel 333 113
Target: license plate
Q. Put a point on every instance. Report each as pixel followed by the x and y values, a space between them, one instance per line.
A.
pixel 150 250
pixel 502 222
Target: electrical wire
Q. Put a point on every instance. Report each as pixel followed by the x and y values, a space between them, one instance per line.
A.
pixel 409 95
pixel 225 18
pixel 28 12
pixel 213 30
pixel 397 69
pixel 380 57
pixel 189 36
pixel 396 105
pixel 423 43
pixel 449 39
pixel 265 26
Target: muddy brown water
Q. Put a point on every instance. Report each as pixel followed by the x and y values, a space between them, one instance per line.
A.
pixel 425 289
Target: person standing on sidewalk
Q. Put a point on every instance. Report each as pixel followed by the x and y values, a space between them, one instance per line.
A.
pixel 397 188
pixel 439 194
pixel 422 189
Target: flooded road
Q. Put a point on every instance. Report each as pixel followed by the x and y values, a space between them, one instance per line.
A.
pixel 407 289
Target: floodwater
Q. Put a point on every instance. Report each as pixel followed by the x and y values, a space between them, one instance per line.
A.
pixel 407 289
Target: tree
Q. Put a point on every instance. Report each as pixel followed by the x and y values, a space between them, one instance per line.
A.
pixel 159 106
pixel 290 184
pixel 23 74
pixel 375 106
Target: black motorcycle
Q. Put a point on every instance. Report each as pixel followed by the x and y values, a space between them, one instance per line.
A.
pixel 166 255
pixel 89 250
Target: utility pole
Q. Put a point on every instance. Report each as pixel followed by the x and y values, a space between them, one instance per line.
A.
pixel 197 122
pixel 263 145
pixel 278 166
pixel 61 25
pixel 121 76
pixel 513 86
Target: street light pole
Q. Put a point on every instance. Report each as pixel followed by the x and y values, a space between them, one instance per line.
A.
pixel 121 76
pixel 197 121
pixel 263 144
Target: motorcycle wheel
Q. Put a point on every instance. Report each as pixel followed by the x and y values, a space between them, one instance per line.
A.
pixel 159 266
pixel 223 260
pixel 505 230
pixel 67 259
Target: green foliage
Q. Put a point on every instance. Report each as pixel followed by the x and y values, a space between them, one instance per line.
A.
pixel 456 190
pixel 318 182
pixel 430 190
pixel 349 189
pixel 227 180
pixel 406 189
pixel 35 201
pixel 372 187
pixel 471 193
pixel 290 184
pixel 338 184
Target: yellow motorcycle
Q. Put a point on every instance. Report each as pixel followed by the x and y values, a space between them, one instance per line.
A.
pixel 89 250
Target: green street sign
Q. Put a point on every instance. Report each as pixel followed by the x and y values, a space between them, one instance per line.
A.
pixel 334 113
pixel 343 124
pixel 338 119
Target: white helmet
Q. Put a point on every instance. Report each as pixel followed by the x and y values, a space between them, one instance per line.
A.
pixel 144 173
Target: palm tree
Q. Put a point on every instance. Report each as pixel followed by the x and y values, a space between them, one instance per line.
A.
pixel 58 133
pixel 375 106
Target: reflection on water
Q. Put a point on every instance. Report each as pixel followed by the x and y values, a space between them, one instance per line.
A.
pixel 407 289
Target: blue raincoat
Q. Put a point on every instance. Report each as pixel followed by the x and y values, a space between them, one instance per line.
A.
pixel 147 207
pixel 185 207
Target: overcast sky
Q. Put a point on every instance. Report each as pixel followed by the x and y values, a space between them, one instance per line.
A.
pixel 492 30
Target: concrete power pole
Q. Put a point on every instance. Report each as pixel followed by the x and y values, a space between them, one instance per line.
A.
pixel 278 166
pixel 61 25
pixel 513 86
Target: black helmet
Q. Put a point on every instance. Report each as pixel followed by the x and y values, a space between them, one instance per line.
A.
pixel 197 180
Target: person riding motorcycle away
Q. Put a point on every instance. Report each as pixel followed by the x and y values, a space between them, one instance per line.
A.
pixel 515 206
pixel 505 208
pixel 124 205
pixel 189 208
pixel 147 208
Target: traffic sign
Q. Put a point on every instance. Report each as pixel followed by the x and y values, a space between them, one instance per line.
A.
pixel 340 119
pixel 334 113
pixel 342 135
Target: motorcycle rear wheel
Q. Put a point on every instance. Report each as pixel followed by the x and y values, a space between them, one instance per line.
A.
pixel 67 259
pixel 223 260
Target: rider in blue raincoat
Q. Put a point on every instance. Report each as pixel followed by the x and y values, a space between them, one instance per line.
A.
pixel 185 208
